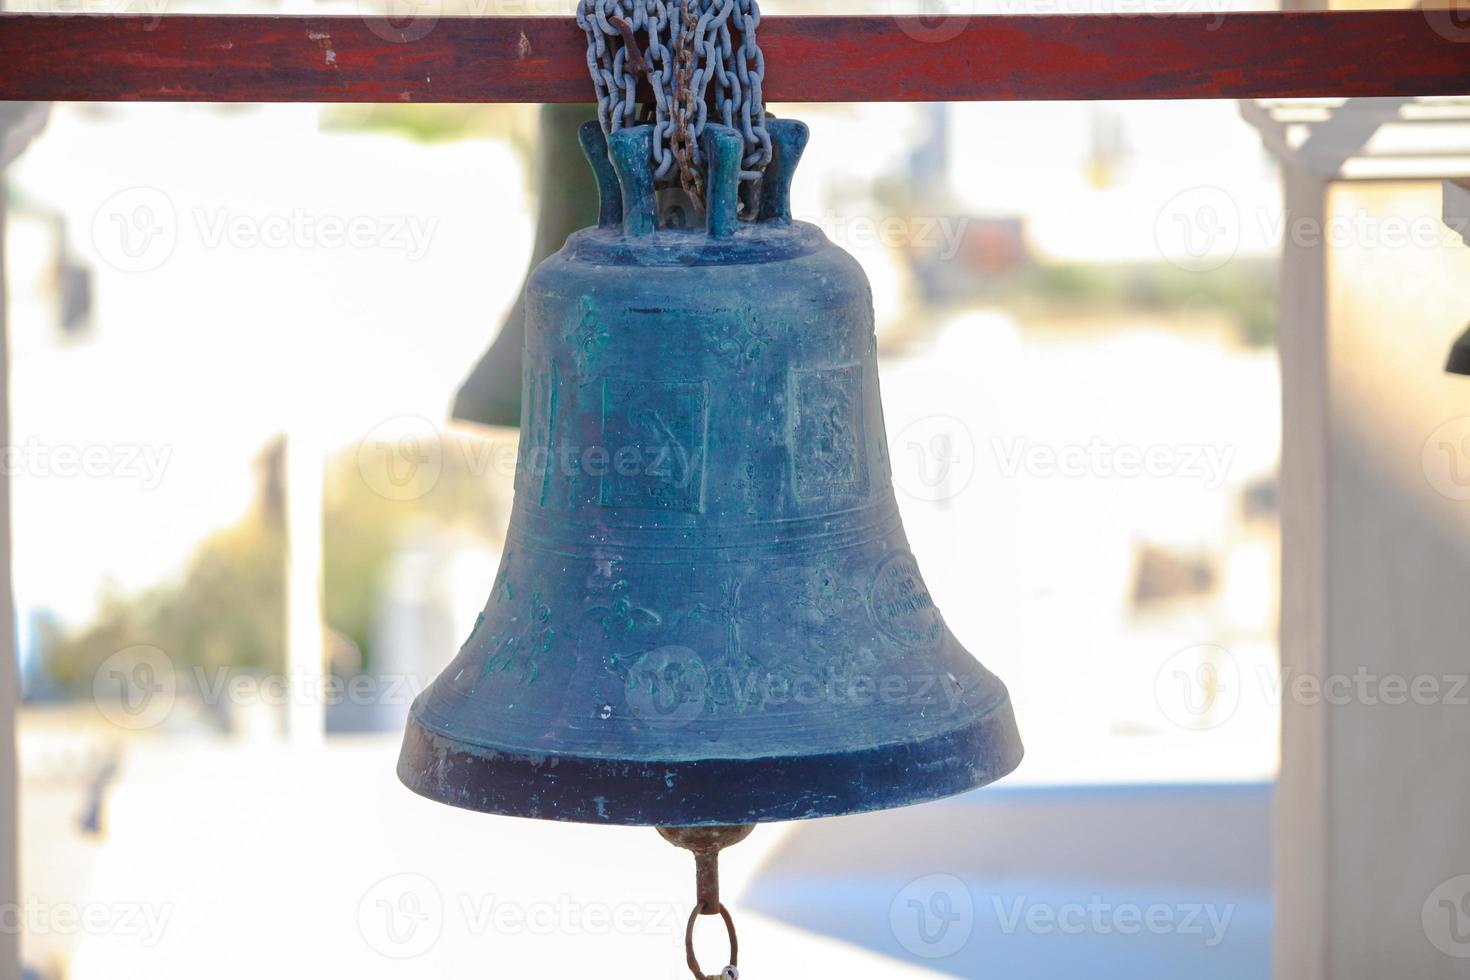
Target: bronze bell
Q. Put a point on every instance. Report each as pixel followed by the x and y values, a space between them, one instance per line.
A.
pixel 707 612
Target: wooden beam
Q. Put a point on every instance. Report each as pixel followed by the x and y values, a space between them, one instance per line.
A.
pixel 185 58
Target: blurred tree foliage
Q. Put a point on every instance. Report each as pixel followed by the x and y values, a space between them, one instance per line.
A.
pixel 429 123
pixel 1243 289
pixel 470 489
pixel 227 610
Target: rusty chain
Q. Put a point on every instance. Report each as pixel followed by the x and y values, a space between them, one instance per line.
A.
pixel 692 62
pixel 683 140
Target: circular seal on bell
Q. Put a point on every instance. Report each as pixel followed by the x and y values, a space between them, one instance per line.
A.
pixel 900 604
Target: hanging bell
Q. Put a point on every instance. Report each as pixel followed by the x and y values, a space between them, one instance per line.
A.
pixel 491 394
pixel 1458 361
pixel 707 612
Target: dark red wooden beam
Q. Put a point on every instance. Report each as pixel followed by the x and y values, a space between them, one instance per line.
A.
pixel 808 59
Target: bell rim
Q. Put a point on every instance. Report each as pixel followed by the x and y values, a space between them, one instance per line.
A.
pixel 696 792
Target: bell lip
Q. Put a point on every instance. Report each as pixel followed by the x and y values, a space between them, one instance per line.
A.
pixel 623 792
pixel 1458 361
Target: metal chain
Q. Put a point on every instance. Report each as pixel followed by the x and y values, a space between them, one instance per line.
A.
pixel 689 49
pixel 684 143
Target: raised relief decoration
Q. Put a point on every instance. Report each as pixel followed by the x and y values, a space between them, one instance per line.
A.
pixel 586 340
pixel 521 642
pixel 741 338
pixel 654 434
pixel 538 421
pixel 827 436
pixel 900 604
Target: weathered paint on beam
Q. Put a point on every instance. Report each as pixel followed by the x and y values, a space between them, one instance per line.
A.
pixel 185 58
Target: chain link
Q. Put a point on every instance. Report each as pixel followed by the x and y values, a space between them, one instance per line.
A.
pixel 690 49
pixel 684 142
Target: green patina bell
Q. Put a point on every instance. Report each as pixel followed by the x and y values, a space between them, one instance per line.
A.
pixel 707 613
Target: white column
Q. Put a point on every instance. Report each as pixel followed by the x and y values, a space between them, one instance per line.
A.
pixel 305 629
pixel 1303 829
pixel 9 667
pixel 1372 854
pixel 19 123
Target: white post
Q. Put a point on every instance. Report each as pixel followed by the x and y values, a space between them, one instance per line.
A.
pixel 1372 861
pixel 1372 858
pixel 1303 829
pixel 9 668
pixel 305 629
pixel 19 123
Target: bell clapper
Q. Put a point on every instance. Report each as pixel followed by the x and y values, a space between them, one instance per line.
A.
pixel 706 843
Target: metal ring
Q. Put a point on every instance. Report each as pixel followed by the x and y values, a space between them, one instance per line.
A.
pixel 693 960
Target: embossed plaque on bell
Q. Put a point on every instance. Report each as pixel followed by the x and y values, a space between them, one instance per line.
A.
pixel 707 612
